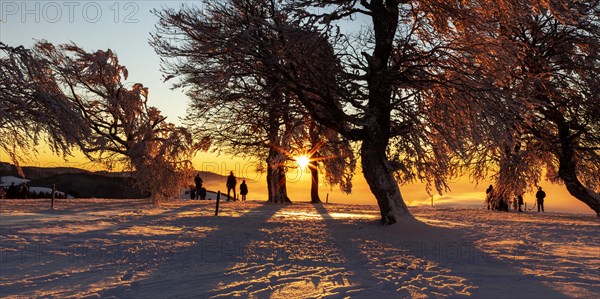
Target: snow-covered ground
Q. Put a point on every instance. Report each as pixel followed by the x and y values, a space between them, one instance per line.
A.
pixel 128 249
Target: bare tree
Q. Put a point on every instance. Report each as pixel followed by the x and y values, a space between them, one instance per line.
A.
pixel 386 81
pixel 227 55
pixel 554 89
pixel 414 82
pixel 124 130
pixel 30 111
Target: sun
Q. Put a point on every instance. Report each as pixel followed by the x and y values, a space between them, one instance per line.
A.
pixel 302 161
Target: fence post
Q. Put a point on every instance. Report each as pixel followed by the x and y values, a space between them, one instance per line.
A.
pixel 218 199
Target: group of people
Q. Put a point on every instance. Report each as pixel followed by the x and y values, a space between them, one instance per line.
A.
pixel 497 202
pixel 231 183
pixel 199 192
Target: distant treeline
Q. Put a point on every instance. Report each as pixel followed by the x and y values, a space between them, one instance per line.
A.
pixel 23 192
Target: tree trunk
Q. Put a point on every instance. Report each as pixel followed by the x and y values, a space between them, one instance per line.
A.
pixel 378 116
pixel 276 181
pixel 382 183
pixel 314 185
pixel 567 171
pixel 282 184
pixel 271 186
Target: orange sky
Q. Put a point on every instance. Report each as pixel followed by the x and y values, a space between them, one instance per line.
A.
pixel 464 193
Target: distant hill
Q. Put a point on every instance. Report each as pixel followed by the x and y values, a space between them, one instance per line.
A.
pixel 35 173
pixel 83 183
pixel 90 185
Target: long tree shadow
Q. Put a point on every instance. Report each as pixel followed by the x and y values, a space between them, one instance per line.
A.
pixel 199 263
pixel 415 259
pixel 293 257
pixel 78 251
pixel 263 251
pixel 114 252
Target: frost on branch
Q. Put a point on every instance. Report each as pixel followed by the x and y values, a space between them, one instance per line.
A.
pixel 31 112
pixel 227 55
pixel 550 100
pixel 124 131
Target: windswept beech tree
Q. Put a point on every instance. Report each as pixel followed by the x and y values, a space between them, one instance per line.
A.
pixel 124 130
pixel 413 86
pixel 411 57
pixel 227 54
pixel 31 111
pixel 554 84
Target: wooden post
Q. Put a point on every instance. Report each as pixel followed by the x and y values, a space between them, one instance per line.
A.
pixel 218 198
pixel 327 198
pixel 432 201
pixel 53 193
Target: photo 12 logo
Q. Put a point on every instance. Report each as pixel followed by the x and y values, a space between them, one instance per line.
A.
pixel 68 11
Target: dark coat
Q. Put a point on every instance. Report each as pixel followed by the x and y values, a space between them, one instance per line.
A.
pixel 231 181
pixel 243 189
pixel 540 195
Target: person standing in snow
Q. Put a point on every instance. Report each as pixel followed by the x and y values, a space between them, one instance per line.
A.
pixel 488 196
pixel 520 202
pixel 231 182
pixel 540 195
pixel 198 182
pixel 243 190
pixel 192 193
pixel 202 193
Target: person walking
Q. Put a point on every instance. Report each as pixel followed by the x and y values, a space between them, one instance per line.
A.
pixel 540 195
pixel 198 182
pixel 231 182
pixel 243 190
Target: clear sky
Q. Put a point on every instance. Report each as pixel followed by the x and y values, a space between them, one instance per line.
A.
pixel 124 27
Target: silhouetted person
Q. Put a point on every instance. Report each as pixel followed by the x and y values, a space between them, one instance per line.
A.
pixel 12 191
pixel 202 193
pixel 198 182
pixel 243 190
pixel 24 191
pixel 520 202
pixel 192 193
pixel 488 196
pixel 540 195
pixel 231 182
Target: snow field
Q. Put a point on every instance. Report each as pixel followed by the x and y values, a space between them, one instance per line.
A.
pixel 129 249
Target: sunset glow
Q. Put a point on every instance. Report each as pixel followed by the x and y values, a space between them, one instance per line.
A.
pixel 302 161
